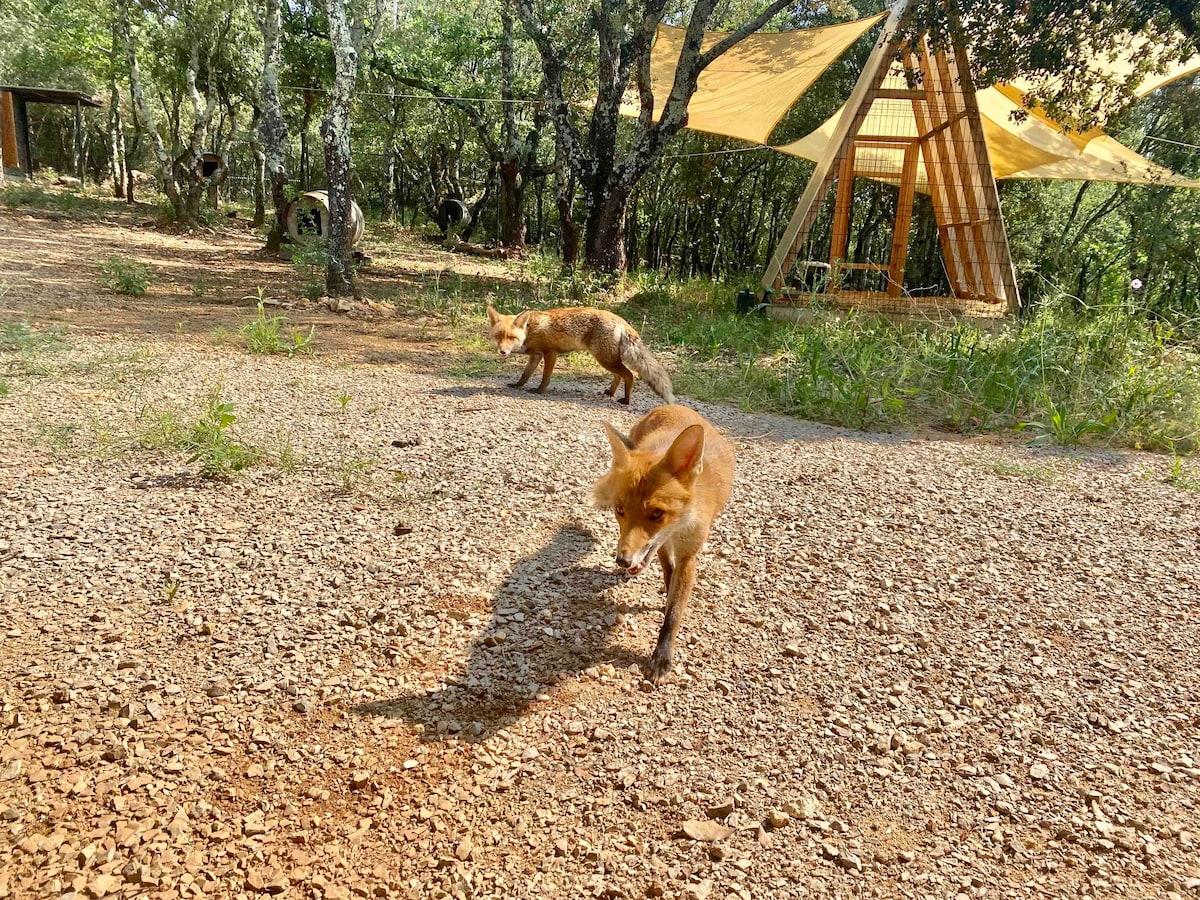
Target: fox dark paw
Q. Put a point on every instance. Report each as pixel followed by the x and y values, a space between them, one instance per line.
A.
pixel 516 384
pixel 538 390
pixel 659 668
pixel 624 401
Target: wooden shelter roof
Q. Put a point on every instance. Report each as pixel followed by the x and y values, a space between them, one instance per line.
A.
pixel 57 96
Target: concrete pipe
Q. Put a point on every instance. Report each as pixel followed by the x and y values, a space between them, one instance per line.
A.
pixel 308 218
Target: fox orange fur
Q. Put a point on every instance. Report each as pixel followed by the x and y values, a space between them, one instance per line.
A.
pixel 544 334
pixel 670 479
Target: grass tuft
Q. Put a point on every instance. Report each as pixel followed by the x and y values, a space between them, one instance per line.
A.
pixel 123 277
pixel 267 334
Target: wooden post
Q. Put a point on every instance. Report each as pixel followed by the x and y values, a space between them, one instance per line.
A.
pixel 904 208
pixel 843 134
pixel 843 205
pixel 8 132
pixel 79 142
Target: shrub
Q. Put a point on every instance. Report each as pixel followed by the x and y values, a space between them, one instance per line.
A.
pixel 265 334
pixel 124 277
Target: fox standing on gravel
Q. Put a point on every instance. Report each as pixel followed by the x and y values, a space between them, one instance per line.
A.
pixel 670 479
pixel 544 334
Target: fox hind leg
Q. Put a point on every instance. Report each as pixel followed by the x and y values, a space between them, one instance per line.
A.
pixel 620 373
pixel 530 368
pixel 551 358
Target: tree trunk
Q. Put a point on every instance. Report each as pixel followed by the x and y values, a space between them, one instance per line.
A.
pixel 335 134
pixel 116 150
pixel 605 250
pixel 273 128
pixel 512 204
pixel 512 212
pixel 564 184
pixel 147 123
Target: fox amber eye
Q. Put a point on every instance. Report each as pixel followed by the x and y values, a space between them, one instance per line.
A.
pixel 619 509
pixel 655 515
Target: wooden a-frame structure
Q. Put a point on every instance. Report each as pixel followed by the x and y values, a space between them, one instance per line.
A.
pixel 950 148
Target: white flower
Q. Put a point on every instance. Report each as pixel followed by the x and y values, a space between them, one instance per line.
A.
pixel 1136 284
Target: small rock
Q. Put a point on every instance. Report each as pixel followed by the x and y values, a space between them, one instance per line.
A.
pixel 304 707
pixel 707 831
pixel 804 808
pixel 1039 771
pixel 777 818
pixel 219 688
pixel 463 852
pixel 721 810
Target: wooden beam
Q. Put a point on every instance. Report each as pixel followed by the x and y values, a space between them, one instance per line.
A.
pixel 843 205
pixel 899 94
pixel 966 172
pixel 1004 275
pixel 938 129
pixel 904 208
pixel 943 189
pixel 855 111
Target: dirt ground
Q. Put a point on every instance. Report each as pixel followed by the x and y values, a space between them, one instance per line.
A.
pixel 394 659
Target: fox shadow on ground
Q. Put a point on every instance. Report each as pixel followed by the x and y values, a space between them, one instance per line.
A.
pixel 551 619
pixel 566 389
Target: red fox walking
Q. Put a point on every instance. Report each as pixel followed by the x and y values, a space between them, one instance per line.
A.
pixel 670 479
pixel 544 334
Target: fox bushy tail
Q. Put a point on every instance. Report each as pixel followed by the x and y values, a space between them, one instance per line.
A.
pixel 637 356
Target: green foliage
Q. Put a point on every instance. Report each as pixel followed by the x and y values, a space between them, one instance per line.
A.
pixel 5 387
pixel 351 471
pixel 72 204
pixel 310 259
pixel 1069 377
pixel 209 441
pixel 1181 475
pixel 18 337
pixel 267 334
pixel 123 277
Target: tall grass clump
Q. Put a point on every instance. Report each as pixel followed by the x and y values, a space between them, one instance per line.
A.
pixel 124 277
pixel 1059 375
pixel 267 334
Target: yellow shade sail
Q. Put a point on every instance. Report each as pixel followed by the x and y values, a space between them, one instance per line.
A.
pixel 745 93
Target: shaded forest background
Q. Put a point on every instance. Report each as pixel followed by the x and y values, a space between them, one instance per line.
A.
pixel 450 102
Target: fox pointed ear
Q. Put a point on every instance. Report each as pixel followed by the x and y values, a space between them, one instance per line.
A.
pixel 621 446
pixel 492 315
pixel 685 459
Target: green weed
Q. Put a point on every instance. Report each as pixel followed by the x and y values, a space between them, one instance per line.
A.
pixel 267 334
pixel 1021 470
pixel 210 443
pixel 311 259
pixel 123 277
pixel 351 471
pixel 18 337
pixel 1181 475
pixel 60 436
pixel 1068 377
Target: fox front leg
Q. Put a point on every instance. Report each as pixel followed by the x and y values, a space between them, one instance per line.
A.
pixel 551 358
pixel 668 567
pixel 683 579
pixel 530 367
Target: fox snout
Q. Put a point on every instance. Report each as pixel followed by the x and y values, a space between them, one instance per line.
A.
pixel 624 560
pixel 505 352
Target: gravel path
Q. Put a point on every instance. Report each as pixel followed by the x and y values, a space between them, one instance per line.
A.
pixel 401 663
